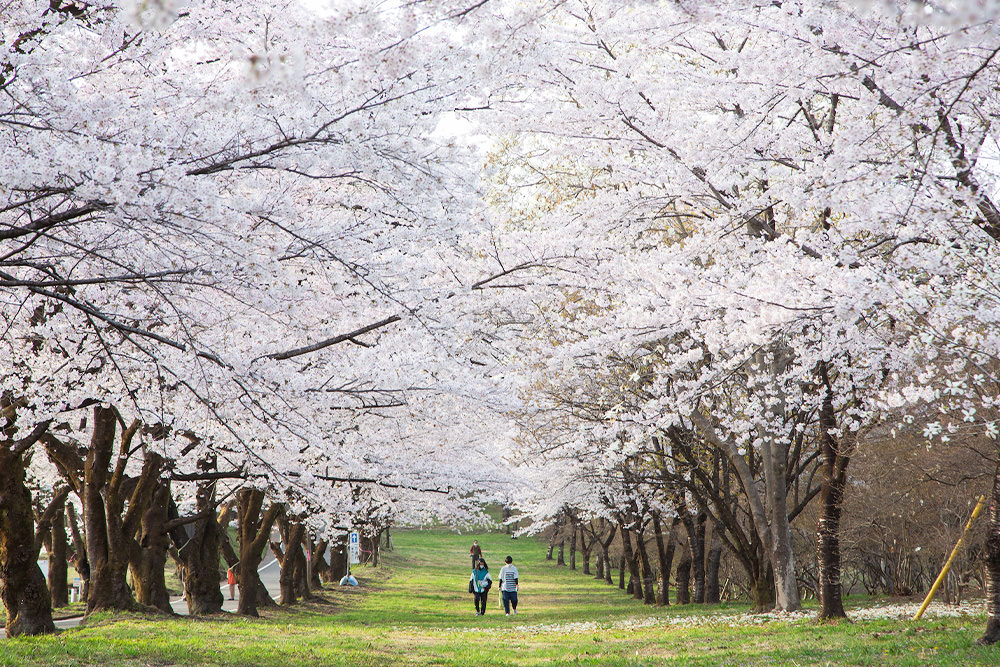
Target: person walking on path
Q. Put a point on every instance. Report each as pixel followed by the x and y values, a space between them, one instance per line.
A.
pixel 231 580
pixel 508 586
pixel 476 552
pixel 479 585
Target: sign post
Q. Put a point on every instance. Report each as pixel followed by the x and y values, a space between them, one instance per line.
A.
pixel 353 549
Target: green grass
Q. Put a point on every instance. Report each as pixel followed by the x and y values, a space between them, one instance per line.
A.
pixel 416 611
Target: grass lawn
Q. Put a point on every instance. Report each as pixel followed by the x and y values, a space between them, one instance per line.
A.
pixel 416 611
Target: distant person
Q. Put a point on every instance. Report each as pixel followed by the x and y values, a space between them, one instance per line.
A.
pixel 479 585
pixel 508 586
pixel 231 580
pixel 476 552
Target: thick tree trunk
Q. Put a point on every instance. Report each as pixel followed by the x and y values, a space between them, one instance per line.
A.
pixel 712 593
pixel 150 557
pixel 762 591
pixel 782 558
pixel 831 498
pixel 605 555
pixel 585 549
pixel 81 563
pixel 551 547
pixel 338 558
pixel 665 553
pixel 561 560
pixel 628 558
pixel 292 533
pixel 646 570
pixel 633 564
pixel 254 532
pixel 303 589
pixel 684 576
pixel 698 559
pixel 202 585
pixel 320 569
pixel 58 565
pixel 22 584
pixel 107 543
pixel 992 633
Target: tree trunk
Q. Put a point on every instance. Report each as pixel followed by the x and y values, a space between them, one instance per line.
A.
pixel 762 591
pixel 254 532
pixel 551 547
pixel 303 588
pixel 605 554
pixel 621 574
pixel 831 495
pixel 292 533
pixel 665 552
pixel 81 563
pixel 992 633
pixel 633 564
pixel 107 547
pixel 561 560
pixel 698 559
pixel 320 570
pixel 572 547
pixel 22 584
pixel 338 558
pixel 585 549
pixel 58 566
pixel 599 566
pixel 684 576
pixel 202 585
pixel 646 570
pixel 150 557
pixel 712 592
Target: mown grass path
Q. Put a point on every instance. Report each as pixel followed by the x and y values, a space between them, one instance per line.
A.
pixel 417 611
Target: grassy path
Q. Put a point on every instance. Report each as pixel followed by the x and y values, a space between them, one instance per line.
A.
pixel 416 611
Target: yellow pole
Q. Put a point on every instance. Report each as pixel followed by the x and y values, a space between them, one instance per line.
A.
pixel 951 559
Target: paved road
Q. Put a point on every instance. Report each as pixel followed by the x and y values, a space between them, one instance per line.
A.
pixel 268 570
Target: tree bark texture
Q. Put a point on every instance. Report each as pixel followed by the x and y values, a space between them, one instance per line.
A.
pixel 320 569
pixel 254 532
pixel 150 554
pixel 200 553
pixel 58 564
pixel 684 577
pixel 23 589
pixel 646 569
pixel 665 558
pixel 712 592
pixel 80 561
pixel 109 533
pixel 292 534
pixel 992 633
pixel 834 466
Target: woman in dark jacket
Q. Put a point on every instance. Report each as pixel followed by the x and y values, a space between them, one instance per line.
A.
pixel 479 585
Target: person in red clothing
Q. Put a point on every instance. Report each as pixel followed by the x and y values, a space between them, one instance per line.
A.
pixel 476 552
pixel 231 580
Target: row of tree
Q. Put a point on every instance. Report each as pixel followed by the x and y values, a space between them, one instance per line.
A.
pixel 227 239
pixel 757 240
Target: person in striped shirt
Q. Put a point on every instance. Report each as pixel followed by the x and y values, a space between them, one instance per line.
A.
pixel 508 585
